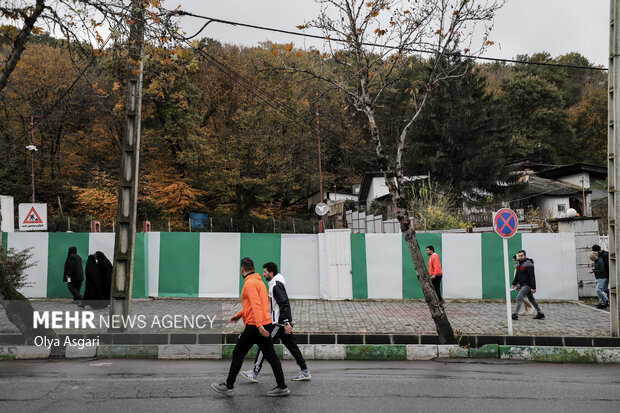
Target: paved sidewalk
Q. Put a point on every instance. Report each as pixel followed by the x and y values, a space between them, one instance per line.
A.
pixel 470 317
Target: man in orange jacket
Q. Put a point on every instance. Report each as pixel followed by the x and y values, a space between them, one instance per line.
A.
pixel 434 270
pixel 255 314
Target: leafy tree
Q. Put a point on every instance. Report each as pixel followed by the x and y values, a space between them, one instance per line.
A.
pixel 536 119
pixel 13 264
pixel 461 139
pixel 589 120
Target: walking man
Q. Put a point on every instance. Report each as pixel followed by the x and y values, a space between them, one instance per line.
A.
pixel 280 309
pixel 255 314
pixel 605 257
pixel 528 308
pixel 599 275
pixel 525 282
pixel 434 270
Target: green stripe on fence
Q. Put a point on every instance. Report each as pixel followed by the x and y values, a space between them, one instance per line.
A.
pixel 358 266
pixel 179 256
pixel 411 285
pixel 5 240
pixel 140 267
pixel 261 248
pixel 493 284
pixel 58 246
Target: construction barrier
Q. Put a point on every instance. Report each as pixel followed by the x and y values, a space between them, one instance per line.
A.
pixel 334 265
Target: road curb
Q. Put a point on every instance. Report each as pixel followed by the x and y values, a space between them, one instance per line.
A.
pixel 379 352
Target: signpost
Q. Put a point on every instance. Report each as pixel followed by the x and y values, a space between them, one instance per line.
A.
pixel 32 217
pixel 505 223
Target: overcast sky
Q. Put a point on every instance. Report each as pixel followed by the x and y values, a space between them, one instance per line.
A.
pixel 521 26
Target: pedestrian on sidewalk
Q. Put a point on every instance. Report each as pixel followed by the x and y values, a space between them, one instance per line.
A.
pixel 528 308
pixel 105 272
pixel 599 275
pixel 434 270
pixel 73 274
pixel 605 256
pixel 525 282
pixel 93 293
pixel 255 314
pixel 282 328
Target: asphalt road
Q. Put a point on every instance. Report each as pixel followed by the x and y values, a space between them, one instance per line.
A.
pixel 337 386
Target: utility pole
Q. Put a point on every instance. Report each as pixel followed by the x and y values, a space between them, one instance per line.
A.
pixel 318 136
pixel 613 169
pixel 122 276
pixel 32 148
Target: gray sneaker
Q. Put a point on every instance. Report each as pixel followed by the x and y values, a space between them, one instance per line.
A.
pixel 279 392
pixel 303 376
pixel 249 374
pixel 222 388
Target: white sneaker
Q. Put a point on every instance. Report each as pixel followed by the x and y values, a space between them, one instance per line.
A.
pixel 302 376
pixel 249 374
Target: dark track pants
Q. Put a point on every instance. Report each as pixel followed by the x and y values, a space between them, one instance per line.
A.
pixel 74 288
pixel 246 340
pixel 437 284
pixel 289 342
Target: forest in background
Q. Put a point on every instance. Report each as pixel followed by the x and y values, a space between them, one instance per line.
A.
pixel 227 131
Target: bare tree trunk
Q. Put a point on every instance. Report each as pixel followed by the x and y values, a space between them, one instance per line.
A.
pixel 442 325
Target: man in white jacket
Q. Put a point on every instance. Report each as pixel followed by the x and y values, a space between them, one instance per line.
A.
pixel 280 310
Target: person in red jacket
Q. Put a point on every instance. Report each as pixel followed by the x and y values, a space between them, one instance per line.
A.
pixel 255 314
pixel 434 270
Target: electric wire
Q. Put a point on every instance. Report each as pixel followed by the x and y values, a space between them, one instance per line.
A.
pixel 314 36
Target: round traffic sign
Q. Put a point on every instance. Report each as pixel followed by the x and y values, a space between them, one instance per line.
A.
pixel 505 223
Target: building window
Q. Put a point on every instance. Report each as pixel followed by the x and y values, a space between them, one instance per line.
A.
pixel 561 207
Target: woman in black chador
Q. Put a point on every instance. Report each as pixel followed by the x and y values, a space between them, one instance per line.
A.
pixel 93 296
pixel 105 274
pixel 73 274
pixel 98 279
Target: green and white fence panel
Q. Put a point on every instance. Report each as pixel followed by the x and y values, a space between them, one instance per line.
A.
pixel 49 252
pixel 472 264
pixel 336 264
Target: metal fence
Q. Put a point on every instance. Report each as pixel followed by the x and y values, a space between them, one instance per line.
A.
pixel 211 224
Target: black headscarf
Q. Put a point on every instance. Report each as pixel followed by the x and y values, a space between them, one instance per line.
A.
pixel 73 266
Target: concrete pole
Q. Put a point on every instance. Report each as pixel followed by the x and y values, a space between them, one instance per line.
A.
pixel 122 277
pixel 613 168
pixel 318 137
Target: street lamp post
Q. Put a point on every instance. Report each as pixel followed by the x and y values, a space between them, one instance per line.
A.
pixel 32 148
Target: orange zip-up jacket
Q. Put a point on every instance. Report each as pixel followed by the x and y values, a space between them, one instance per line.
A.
pixel 434 265
pixel 254 302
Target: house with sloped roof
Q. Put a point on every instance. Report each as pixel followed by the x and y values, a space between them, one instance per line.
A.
pixel 555 190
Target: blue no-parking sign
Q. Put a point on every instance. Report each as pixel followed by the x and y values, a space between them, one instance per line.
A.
pixel 505 223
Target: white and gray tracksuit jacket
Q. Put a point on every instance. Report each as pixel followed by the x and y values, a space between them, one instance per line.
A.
pixel 279 306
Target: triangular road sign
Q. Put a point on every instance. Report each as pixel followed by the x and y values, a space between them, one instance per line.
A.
pixel 33 217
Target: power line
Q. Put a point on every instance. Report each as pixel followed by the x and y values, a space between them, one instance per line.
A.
pixel 314 36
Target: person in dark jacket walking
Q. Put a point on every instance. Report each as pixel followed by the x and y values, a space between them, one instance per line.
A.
pixel 525 279
pixel 605 257
pixel 280 309
pixel 599 274
pixel 73 274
